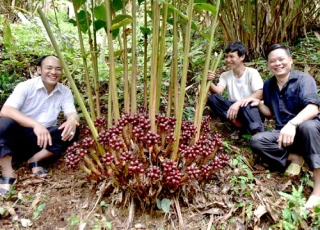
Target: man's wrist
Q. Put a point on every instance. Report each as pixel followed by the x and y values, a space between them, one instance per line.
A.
pixel 76 122
pixel 294 122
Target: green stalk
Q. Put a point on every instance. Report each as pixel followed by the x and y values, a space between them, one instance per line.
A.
pixel 203 87
pixel 161 54
pixel 85 65
pixel 68 75
pixel 94 65
pixel 177 131
pixel 175 60
pixel 145 58
pixel 125 66
pixel 112 75
pixel 154 58
pixel 134 60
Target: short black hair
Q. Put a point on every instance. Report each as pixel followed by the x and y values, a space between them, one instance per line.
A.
pixel 236 46
pixel 44 57
pixel 278 46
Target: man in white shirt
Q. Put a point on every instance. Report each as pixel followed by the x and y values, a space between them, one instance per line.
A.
pixel 242 83
pixel 28 122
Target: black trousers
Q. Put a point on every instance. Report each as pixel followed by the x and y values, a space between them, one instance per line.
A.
pixel 21 142
pixel 249 116
pixel 306 143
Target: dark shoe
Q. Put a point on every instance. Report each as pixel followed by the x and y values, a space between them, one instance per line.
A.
pixel 6 180
pixel 42 172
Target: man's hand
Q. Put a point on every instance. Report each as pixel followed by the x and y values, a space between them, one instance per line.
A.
pixel 233 110
pixel 211 75
pixel 69 129
pixel 287 134
pixel 43 136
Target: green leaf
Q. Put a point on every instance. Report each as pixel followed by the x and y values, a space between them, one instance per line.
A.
pixel 7 35
pixel 165 205
pixel 115 33
pixel 120 21
pixel 82 20
pixel 103 204
pixel 170 6
pixel 117 5
pixel 205 6
pixel 99 24
pixel 286 214
pixel 158 204
pixel 145 30
pixel 140 1
pixel 78 3
pixel 108 225
pixel 100 12
pixel 39 209
pixel 2 211
pixel 74 220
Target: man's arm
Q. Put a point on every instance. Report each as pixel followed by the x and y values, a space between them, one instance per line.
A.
pixel 69 126
pixel 214 88
pixel 288 132
pixel 43 135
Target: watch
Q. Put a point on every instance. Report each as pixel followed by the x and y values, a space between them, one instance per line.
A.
pixel 294 123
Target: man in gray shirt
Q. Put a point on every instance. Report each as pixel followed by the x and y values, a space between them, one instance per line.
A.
pixel 28 122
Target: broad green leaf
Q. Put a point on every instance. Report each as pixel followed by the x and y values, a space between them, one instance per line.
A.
pixel 117 5
pixel 145 30
pixel 120 21
pixel 7 35
pixel 170 6
pixel 100 12
pixel 205 6
pixel 140 1
pixel 99 24
pixel 165 205
pixel 82 20
pixel 115 33
pixel 78 3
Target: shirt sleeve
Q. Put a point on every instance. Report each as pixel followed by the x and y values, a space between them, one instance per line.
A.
pixel 223 80
pixel 308 91
pixel 256 80
pixel 68 103
pixel 18 96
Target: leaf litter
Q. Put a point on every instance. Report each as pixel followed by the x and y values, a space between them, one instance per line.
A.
pixel 238 197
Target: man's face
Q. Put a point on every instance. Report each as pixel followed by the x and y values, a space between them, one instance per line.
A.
pixel 279 63
pixel 50 71
pixel 233 60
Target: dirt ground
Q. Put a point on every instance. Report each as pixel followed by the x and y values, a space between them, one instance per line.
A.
pixel 243 195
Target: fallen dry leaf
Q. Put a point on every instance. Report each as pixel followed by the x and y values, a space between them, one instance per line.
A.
pixel 260 211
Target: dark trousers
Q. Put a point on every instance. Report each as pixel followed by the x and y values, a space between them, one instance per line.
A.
pixel 306 143
pixel 21 142
pixel 249 116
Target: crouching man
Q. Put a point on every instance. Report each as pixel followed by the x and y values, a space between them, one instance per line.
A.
pixel 28 122
pixel 291 98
